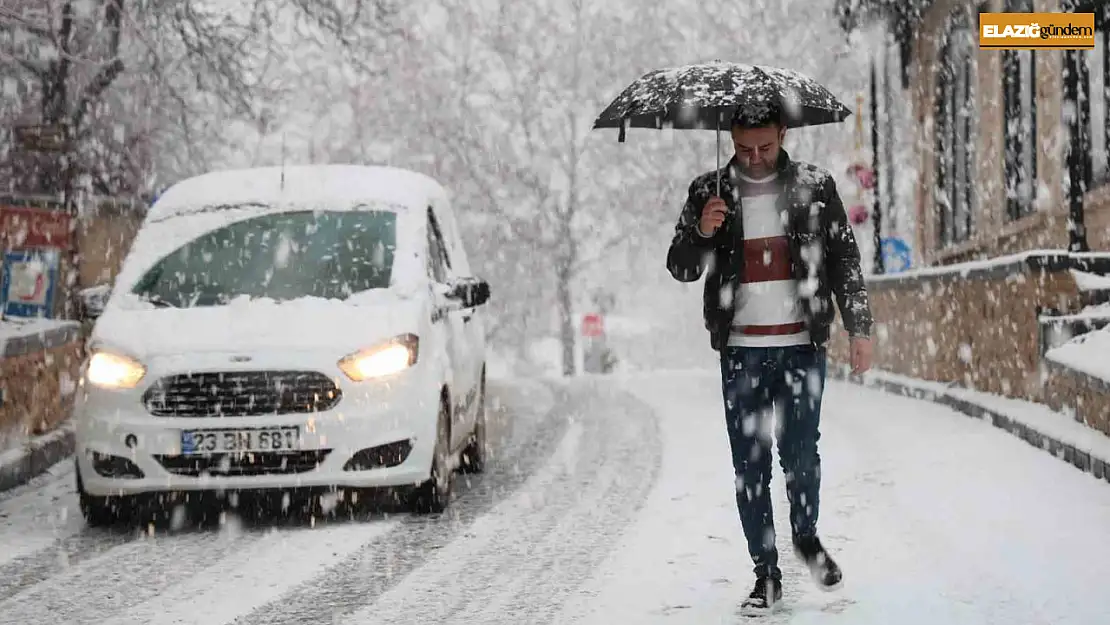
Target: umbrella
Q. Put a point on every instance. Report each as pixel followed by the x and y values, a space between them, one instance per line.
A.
pixel 706 96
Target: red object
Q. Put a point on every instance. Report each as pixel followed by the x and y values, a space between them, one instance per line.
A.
pixel 864 175
pixel 33 227
pixel 858 214
pixel 766 259
pixel 867 179
pixel 36 295
pixel 592 325
pixel 775 330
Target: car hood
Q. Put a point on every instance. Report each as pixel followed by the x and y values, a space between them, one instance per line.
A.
pixel 256 326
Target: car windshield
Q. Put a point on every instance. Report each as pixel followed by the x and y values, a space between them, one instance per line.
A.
pixel 282 256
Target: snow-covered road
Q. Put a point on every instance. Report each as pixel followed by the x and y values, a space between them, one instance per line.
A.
pixel 610 501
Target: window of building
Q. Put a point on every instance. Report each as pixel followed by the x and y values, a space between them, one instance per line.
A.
pixel 1097 93
pixel 955 121
pixel 1087 99
pixel 1100 100
pixel 1019 85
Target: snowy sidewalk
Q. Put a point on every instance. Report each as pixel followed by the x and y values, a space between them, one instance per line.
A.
pixel 1062 436
pixel 34 456
pixel 936 518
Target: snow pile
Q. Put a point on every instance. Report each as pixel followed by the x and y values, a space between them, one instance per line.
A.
pixel 1062 328
pixel 1090 281
pixel 1089 313
pixel 1085 353
pixel 336 185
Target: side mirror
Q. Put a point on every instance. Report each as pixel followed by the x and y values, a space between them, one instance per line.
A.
pixel 93 300
pixel 470 292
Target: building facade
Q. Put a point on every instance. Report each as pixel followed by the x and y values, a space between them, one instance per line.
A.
pixel 1009 147
pixel 1005 181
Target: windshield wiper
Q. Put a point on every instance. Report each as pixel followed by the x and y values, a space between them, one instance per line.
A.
pixel 208 209
pixel 159 302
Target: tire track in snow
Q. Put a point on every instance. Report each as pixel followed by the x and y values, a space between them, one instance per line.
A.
pixel 119 578
pixel 43 533
pixel 523 560
pixel 27 571
pixel 246 578
pixel 360 579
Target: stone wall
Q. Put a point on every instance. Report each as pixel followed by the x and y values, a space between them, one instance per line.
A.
pixel 1084 397
pixel 38 377
pixel 993 233
pixel 975 324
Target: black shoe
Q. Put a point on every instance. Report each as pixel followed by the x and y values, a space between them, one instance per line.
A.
pixel 821 565
pixel 764 598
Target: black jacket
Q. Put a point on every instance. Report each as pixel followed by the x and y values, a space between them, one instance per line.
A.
pixel 824 256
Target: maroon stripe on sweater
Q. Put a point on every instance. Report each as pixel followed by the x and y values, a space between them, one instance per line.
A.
pixel 775 330
pixel 766 260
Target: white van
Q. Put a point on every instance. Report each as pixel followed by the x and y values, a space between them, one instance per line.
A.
pixel 271 328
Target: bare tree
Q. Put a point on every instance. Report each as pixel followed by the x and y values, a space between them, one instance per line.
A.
pixel 516 87
pixel 186 54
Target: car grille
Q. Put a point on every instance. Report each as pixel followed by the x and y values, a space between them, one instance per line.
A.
pixel 241 394
pixel 254 463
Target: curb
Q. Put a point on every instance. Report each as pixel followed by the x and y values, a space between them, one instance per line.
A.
pixel 36 456
pixel 1078 458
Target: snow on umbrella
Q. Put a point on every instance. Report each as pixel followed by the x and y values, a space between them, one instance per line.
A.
pixel 706 95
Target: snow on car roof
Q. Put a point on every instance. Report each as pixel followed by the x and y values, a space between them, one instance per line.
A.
pixel 341 185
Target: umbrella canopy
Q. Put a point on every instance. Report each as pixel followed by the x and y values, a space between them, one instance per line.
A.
pixel 706 96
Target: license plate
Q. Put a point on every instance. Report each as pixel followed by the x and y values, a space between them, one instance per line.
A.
pixel 240 440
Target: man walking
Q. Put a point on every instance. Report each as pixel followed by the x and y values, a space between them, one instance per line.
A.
pixel 777 249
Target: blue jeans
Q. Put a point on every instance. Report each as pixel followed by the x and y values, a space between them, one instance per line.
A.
pixel 760 384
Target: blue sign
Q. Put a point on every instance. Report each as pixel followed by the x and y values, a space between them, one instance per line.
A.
pixel 155 195
pixel 897 256
pixel 28 283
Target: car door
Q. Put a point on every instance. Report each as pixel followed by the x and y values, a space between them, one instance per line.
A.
pixel 473 319
pixel 439 262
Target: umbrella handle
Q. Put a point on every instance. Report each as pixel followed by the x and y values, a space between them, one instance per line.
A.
pixel 718 155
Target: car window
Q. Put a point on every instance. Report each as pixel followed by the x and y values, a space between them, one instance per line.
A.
pixel 283 256
pixel 449 229
pixel 439 261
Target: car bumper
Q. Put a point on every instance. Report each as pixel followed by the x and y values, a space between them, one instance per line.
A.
pixel 388 434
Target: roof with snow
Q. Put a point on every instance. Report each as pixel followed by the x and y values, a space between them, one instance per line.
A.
pixel 314 185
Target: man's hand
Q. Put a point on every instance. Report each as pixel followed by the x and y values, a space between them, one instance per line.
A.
pixel 712 216
pixel 861 354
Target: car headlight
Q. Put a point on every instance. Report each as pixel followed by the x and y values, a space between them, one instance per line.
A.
pixel 384 360
pixel 108 370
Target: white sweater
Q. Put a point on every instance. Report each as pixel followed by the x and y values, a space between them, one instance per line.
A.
pixel 768 310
